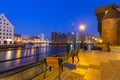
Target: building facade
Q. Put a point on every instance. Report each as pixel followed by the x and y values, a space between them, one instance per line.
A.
pixel 42 37
pixel 109 23
pixel 58 37
pixel 6 31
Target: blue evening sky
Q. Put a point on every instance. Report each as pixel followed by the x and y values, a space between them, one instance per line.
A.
pixel 33 17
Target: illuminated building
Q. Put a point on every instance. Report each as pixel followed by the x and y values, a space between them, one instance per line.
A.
pixel 17 38
pixel 42 37
pixel 6 31
pixel 109 23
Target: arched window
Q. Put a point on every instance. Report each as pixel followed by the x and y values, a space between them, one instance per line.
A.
pixel 5 42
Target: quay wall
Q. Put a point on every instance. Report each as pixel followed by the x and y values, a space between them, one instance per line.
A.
pixel 25 74
pixel 11 46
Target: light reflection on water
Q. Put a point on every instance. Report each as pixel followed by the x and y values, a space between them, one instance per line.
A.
pixel 32 53
pixel 22 53
pixel 9 55
pixel 6 55
pixel 18 55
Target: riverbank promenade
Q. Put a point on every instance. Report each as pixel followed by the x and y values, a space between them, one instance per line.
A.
pixel 93 65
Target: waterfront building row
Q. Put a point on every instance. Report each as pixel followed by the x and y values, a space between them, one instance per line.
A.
pixel 7 35
pixel 77 37
pixel 6 30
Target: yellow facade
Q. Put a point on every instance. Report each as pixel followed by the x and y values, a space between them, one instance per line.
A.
pixel 110 30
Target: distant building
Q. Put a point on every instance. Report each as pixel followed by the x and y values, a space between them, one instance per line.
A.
pixel 58 37
pixel 77 36
pixel 71 37
pixel 17 38
pixel 35 39
pixel 6 30
pixel 53 36
pixel 109 23
pixel 42 37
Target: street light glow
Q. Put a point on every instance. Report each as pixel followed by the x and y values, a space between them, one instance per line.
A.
pixel 82 27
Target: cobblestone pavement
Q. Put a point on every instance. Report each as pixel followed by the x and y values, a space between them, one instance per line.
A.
pixel 93 65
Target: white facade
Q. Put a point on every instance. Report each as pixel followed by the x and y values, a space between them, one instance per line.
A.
pixel 42 37
pixel 6 31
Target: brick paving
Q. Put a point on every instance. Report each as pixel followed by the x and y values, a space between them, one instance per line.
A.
pixel 93 65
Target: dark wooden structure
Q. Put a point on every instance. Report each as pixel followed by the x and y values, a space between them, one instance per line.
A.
pixel 53 62
pixel 74 53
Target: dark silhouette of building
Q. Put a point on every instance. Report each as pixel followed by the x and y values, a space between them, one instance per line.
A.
pixel 58 37
pixel 109 23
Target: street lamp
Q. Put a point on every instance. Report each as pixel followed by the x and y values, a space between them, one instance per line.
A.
pixel 82 28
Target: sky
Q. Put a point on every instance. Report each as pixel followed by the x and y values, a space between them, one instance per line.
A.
pixel 34 17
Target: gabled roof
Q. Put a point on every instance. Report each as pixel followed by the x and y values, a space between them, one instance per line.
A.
pixel 112 13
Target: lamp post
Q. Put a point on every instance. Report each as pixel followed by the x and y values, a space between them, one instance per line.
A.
pixel 82 28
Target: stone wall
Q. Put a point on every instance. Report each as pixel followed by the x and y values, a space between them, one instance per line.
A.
pixel 110 31
pixel 26 74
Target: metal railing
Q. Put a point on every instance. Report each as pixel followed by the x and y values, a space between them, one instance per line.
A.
pixel 56 50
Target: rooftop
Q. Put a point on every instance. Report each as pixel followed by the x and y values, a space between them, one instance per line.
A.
pixel 112 13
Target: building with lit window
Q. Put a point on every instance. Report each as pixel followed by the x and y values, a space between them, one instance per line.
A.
pixel 42 37
pixel 109 23
pixel 6 31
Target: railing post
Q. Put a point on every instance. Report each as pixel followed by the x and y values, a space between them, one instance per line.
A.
pixel 68 49
pixel 37 54
pixel 56 47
